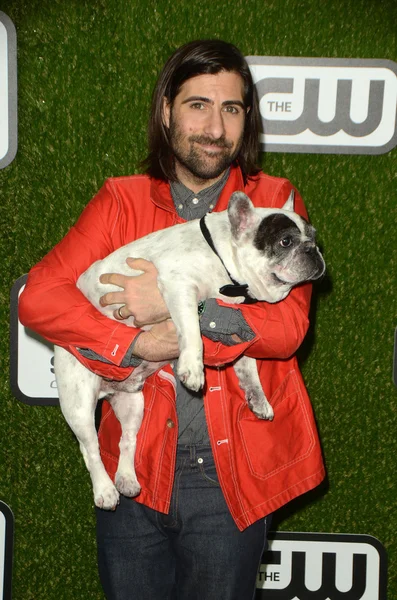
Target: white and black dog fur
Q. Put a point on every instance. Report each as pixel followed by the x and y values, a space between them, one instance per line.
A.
pixel 269 250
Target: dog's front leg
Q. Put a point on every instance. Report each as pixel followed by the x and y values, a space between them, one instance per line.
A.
pixel 182 302
pixel 247 373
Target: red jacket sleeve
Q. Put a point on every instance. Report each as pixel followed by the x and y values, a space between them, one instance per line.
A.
pixel 53 306
pixel 279 328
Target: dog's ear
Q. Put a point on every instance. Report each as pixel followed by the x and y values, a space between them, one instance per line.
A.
pixel 289 205
pixel 241 213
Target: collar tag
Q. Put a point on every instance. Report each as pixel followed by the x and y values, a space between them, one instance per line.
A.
pixel 232 291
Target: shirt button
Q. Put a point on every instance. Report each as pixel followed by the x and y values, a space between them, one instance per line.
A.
pixel 170 423
pixel 212 324
pixel 180 206
pixel 200 461
pixel 211 206
pixel 195 200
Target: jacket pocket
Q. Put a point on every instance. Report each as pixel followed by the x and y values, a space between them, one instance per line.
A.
pixel 272 446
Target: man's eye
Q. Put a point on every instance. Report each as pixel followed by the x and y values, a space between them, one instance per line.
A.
pixel 232 109
pixel 286 241
pixel 197 105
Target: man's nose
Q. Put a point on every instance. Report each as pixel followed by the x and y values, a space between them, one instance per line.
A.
pixel 214 125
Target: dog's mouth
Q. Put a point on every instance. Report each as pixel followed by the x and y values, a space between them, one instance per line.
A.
pixel 316 274
pixel 279 281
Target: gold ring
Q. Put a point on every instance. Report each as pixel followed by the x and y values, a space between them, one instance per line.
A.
pixel 119 312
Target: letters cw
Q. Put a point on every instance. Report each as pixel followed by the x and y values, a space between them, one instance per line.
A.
pixel 326 105
pixel 297 589
pixel 322 566
pixel 309 118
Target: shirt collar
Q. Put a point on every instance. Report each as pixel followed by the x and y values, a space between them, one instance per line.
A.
pixel 160 192
pixel 193 205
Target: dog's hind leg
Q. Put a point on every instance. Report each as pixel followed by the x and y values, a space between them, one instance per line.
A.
pixel 127 402
pixel 128 408
pixel 247 373
pixel 78 390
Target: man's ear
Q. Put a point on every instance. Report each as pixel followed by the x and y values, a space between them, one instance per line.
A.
pixel 166 112
pixel 242 214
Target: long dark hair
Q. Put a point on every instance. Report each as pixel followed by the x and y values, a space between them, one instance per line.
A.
pixel 200 57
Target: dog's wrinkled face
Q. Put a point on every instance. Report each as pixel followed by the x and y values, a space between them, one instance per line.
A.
pixel 290 247
pixel 277 248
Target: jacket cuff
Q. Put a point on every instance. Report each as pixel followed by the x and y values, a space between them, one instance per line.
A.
pixel 219 323
pixel 128 360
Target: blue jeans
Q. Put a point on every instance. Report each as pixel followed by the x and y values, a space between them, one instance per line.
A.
pixel 196 552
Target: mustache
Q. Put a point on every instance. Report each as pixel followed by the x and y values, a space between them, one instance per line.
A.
pixel 221 142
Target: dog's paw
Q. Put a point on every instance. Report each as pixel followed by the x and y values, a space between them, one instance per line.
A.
pixel 266 413
pixel 107 497
pixel 259 405
pixel 127 485
pixel 191 373
pixel 191 378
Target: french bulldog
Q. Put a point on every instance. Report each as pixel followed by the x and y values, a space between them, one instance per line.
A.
pixel 250 253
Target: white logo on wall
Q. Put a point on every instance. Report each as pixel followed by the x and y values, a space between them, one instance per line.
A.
pixel 6 550
pixel 319 105
pixel 31 359
pixel 8 91
pixel 316 566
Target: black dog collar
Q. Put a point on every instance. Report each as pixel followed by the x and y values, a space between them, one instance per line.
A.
pixel 229 290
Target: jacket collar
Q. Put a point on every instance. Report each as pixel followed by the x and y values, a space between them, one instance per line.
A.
pixel 235 183
pixel 160 192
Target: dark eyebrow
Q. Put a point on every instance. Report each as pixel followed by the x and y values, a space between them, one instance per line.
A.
pixel 233 103
pixel 209 101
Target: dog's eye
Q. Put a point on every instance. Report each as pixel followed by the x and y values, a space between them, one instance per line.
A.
pixel 286 241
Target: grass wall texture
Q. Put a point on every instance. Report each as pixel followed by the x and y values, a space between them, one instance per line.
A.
pixel 85 75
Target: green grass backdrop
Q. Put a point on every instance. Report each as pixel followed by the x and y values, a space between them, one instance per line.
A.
pixel 85 75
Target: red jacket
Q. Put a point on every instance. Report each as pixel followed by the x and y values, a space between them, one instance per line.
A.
pixel 261 465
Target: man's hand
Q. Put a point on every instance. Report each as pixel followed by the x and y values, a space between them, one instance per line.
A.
pixel 159 343
pixel 140 297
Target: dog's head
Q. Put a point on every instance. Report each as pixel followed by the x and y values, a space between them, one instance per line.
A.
pixel 275 248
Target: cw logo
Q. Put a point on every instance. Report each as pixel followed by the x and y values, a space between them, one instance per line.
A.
pixel 31 360
pixel 337 106
pixel 8 91
pixel 6 550
pixel 322 567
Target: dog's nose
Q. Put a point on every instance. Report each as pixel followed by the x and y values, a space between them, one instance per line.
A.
pixel 319 264
pixel 315 260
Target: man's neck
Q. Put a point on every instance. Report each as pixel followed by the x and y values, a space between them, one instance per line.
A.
pixel 196 184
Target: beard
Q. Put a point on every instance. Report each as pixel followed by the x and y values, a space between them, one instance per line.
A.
pixel 198 161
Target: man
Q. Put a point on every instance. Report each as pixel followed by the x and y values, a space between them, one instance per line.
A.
pixel 211 472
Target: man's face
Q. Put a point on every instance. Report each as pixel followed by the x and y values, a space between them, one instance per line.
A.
pixel 206 124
